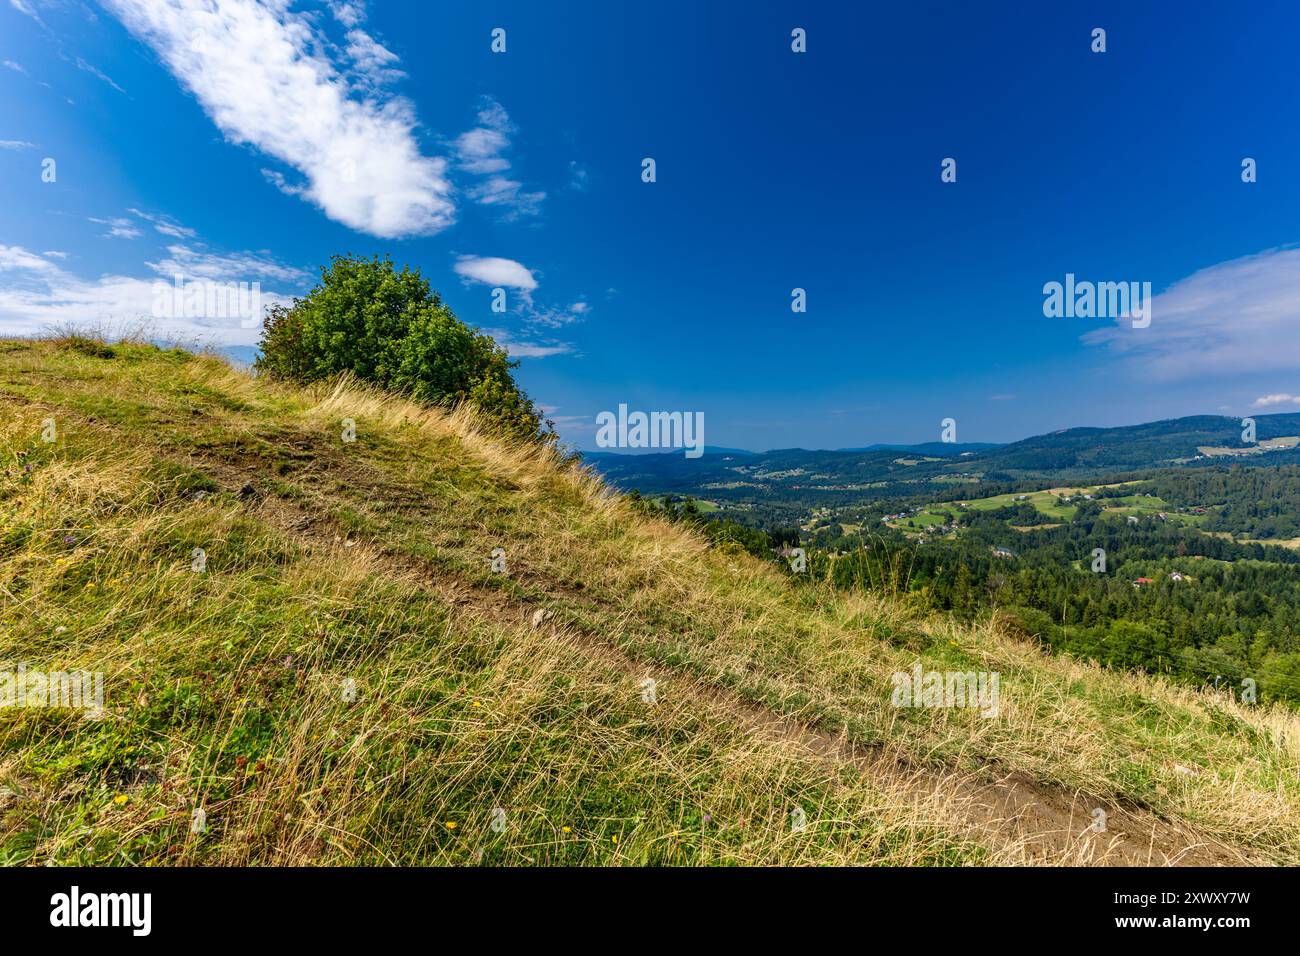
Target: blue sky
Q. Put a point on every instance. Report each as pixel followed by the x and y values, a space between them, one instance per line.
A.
pixel 252 141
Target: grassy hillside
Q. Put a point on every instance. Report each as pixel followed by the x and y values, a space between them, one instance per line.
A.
pixel 334 565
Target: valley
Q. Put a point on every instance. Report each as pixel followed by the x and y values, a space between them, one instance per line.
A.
pixel 1200 576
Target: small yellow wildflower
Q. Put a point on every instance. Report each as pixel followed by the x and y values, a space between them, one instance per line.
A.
pixel 120 799
pixel 451 825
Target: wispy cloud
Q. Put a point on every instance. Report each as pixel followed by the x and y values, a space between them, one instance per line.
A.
pixel 16 258
pixel 201 264
pixel 16 144
pixel 1240 316
pixel 373 63
pixel 348 12
pixel 556 318
pixel 1281 398
pixel 27 8
pixel 165 224
pixel 570 423
pixel 525 349
pixel 481 152
pixel 16 67
pixel 118 228
pixel 265 77
pixel 97 73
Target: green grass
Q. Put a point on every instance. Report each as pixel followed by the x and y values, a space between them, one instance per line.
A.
pixel 920 520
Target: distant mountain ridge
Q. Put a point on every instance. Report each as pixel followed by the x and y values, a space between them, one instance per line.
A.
pixel 1068 454
pixel 930 447
pixel 642 452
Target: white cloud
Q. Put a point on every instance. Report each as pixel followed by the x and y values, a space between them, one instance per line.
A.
pixel 16 67
pixel 493 271
pixel 350 14
pixel 18 258
pixel 1281 398
pixel 37 294
pixel 1240 316
pixel 577 176
pixel 118 228
pixel 262 74
pixel 16 144
pixel 480 152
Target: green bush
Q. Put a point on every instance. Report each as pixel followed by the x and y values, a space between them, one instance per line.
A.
pixel 389 328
